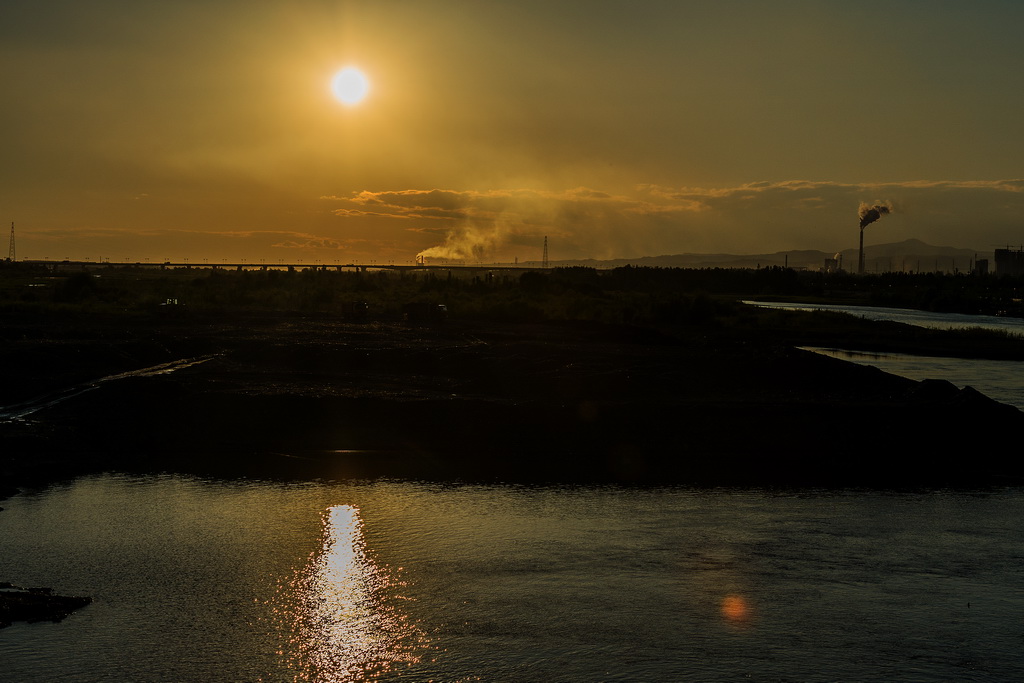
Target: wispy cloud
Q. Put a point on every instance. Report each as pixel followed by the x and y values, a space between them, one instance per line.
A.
pixel 653 219
pixel 584 222
pixel 477 223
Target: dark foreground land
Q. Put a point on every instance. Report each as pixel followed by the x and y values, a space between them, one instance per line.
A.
pixel 634 375
pixel 572 401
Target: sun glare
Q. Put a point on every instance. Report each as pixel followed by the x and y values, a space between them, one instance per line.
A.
pixel 350 86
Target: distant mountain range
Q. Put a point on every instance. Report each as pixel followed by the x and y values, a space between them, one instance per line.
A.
pixel 909 255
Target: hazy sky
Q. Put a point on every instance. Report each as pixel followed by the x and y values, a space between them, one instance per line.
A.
pixel 207 129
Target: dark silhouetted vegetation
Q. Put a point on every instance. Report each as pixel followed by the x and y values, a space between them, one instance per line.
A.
pixel 627 294
pixel 665 298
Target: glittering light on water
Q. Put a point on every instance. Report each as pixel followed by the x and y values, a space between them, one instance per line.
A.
pixel 346 628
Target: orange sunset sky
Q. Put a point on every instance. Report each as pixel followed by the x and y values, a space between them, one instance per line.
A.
pixel 208 129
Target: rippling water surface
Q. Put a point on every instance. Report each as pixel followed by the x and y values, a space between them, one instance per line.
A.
pixel 910 316
pixel 195 580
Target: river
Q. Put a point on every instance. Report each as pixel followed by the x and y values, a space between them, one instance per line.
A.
pixel 197 580
pixel 910 316
pixel 1000 380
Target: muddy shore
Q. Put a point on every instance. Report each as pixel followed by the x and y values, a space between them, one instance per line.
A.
pixel 278 395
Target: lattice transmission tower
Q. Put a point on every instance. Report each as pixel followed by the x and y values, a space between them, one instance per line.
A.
pixel 10 253
pixel 543 262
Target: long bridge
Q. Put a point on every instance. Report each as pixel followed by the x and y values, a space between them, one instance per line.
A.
pixel 69 264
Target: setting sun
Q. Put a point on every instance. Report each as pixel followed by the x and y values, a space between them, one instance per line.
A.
pixel 350 86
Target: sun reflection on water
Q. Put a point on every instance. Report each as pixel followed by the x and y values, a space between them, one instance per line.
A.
pixel 347 628
pixel 736 610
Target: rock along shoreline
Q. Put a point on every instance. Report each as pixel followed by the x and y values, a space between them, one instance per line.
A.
pixel 35 604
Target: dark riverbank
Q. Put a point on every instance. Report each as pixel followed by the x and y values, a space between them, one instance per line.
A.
pixel 314 396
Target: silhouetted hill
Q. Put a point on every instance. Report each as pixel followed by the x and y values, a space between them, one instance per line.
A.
pixel 909 255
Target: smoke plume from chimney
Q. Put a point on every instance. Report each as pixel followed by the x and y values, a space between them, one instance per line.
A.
pixel 869 213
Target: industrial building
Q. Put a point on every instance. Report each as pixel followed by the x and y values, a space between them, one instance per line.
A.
pixel 1010 261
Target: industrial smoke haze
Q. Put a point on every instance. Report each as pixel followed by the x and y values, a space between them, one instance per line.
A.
pixel 869 213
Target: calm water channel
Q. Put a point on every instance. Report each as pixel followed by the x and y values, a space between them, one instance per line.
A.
pixel 196 580
pixel 910 316
pixel 1000 380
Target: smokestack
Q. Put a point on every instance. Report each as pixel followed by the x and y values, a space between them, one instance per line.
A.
pixel 868 214
pixel 860 253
